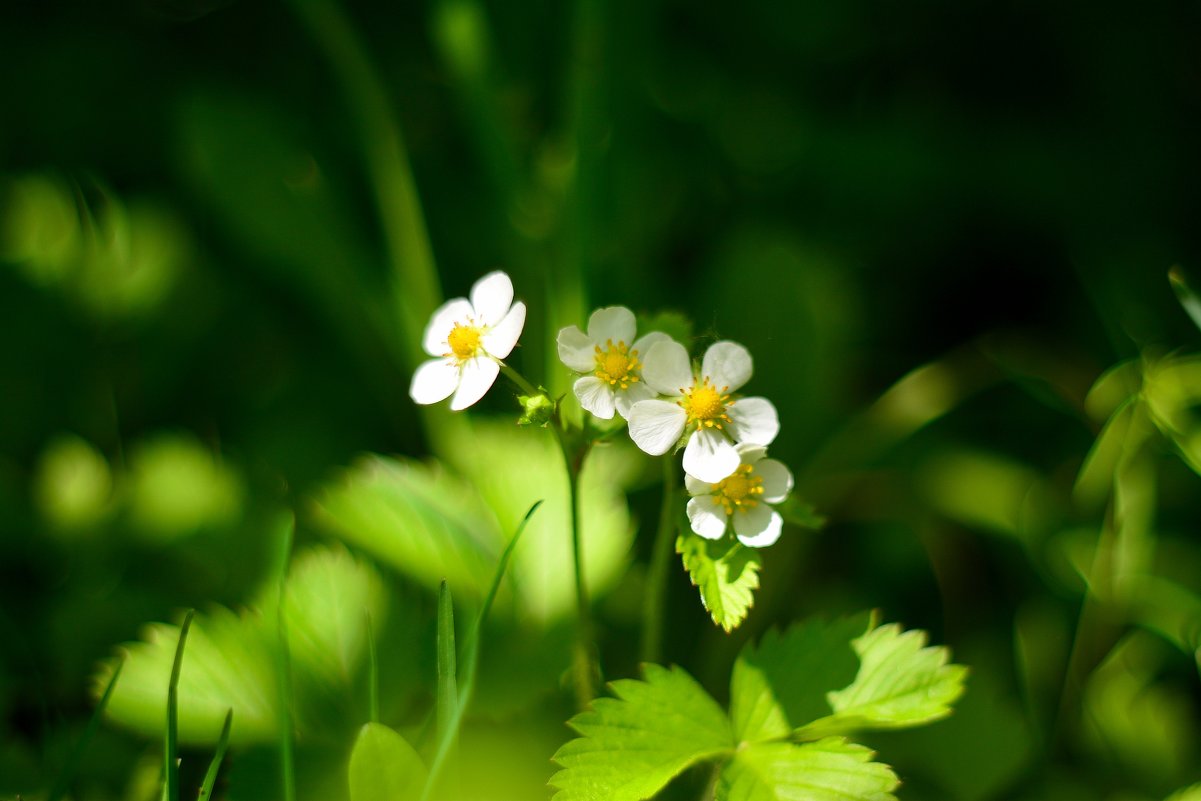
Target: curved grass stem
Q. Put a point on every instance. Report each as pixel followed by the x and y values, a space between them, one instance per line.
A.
pixel 656 580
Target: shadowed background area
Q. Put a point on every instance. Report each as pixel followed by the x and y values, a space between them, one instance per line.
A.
pixel 934 225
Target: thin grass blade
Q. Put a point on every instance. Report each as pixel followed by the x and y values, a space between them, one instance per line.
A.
pixel 170 752
pixel 64 778
pixel 372 674
pixel 210 778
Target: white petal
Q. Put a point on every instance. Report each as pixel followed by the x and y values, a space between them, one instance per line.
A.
pixel 777 480
pixel 434 381
pixel 453 311
pixel 576 350
pixel 727 364
pixel 666 368
pixel 626 398
pixel 750 453
pixel 595 396
pixel 707 518
pixel 655 425
pixel 758 526
pixel 613 322
pixel 709 455
pixel 499 340
pixel 695 486
pixel 753 420
pixel 491 297
pixel 478 375
pixel 643 343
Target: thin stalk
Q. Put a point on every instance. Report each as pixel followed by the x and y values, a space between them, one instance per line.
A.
pixel 372 674
pixel 656 580
pixel 64 779
pixel 171 750
pixel 447 688
pixel 210 778
pixel 521 381
pixel 283 659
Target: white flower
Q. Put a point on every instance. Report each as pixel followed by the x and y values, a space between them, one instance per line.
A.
pixel 468 337
pixel 741 498
pixel 608 355
pixel 701 403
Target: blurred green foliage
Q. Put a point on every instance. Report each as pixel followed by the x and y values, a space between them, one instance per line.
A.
pixel 943 230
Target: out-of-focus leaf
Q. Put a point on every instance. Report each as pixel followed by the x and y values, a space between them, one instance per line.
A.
pixel 673 323
pixel 988 492
pixel 228 666
pixel 1185 294
pixel 420 520
pixel 72 486
pixel 1135 720
pixel 801 513
pixel 1116 386
pixel 384 767
pixel 512 469
pixel 1123 434
pixel 900 683
pixel 725 572
pixel 1172 390
pixel 1168 609
pixel 39 228
pixel 1192 793
pixel 781 684
pixel 631 746
pixel 176 486
pixel 831 768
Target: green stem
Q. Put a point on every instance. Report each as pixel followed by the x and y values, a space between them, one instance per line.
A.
pixel 521 381
pixel 656 580
pixel 585 667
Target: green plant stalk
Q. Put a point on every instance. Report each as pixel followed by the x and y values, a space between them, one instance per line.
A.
pixel 210 777
pixel 656 580
pixel 584 668
pixel 372 674
pixel 283 661
pixel 64 779
pixel 447 689
pixel 171 749
pixel 448 733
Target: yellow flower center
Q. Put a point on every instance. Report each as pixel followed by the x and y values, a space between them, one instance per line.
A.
pixel 740 490
pixel 617 365
pixel 706 405
pixel 464 341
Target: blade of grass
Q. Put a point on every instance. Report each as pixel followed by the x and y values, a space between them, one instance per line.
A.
pixel 283 666
pixel 447 692
pixel 372 674
pixel 470 653
pixel 64 778
pixel 169 756
pixel 1185 294
pixel 210 778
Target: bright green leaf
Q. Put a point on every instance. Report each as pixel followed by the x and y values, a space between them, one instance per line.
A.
pixel 384 767
pixel 633 745
pixel 726 573
pixel 228 666
pixel 782 684
pixel 422 521
pixel 900 683
pixel 828 770
pixel 1192 793
pixel 327 600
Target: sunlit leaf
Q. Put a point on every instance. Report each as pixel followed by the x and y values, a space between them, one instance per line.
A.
pixel 827 770
pixel 631 746
pixel 177 486
pixel 725 572
pixel 73 485
pixel 1185 294
pixel 384 767
pixel 781 684
pixel 900 683
pixel 513 468
pixel 420 520
pixel 1192 793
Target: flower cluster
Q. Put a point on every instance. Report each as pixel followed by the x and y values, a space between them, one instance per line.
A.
pixel 668 400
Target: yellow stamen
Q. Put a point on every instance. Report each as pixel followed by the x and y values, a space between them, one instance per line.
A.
pixel 738 491
pixel 464 341
pixel 617 365
pixel 706 405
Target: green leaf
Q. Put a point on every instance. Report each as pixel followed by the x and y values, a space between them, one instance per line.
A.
pixel 1185 294
pixel 171 763
pixel 726 573
pixel 384 767
pixel 781 684
pixel 1192 793
pixel 210 776
pixel 447 691
pixel 900 683
pixel 634 744
pixel 327 599
pixel 512 468
pixel 801 513
pixel 228 667
pixel 420 520
pixel 828 770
